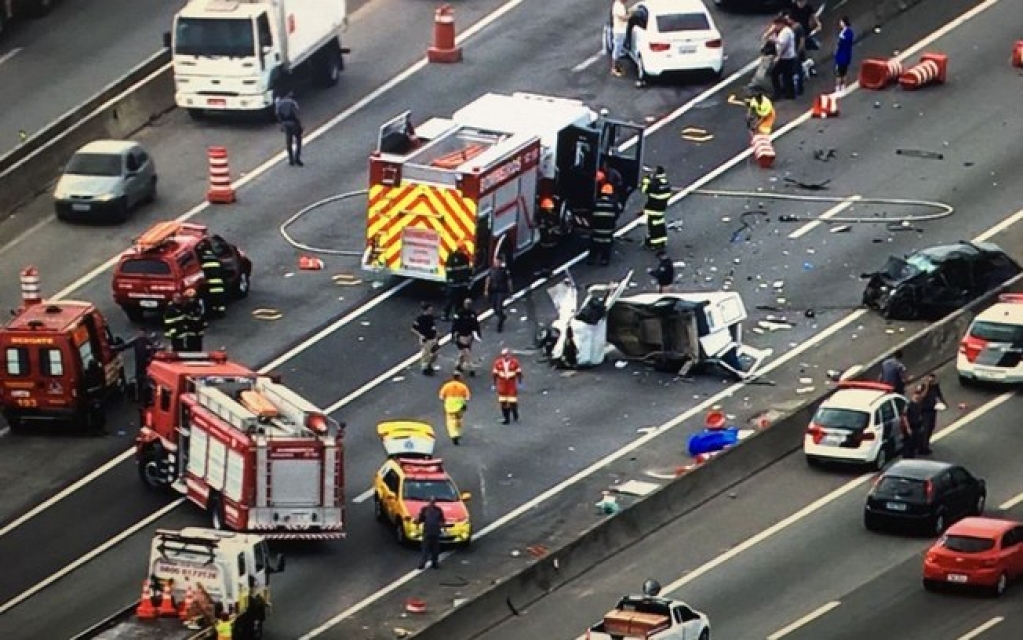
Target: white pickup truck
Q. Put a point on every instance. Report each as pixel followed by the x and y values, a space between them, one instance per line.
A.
pixel 648 617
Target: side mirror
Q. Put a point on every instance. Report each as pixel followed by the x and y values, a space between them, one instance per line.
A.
pixel 465 496
pixel 166 40
pixel 276 563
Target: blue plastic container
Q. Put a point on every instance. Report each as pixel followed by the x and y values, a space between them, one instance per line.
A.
pixel 711 440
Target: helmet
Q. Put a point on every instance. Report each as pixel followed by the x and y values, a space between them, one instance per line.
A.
pixel 189 293
pixel 607 189
pixel 651 587
pixel 601 176
pixel 546 203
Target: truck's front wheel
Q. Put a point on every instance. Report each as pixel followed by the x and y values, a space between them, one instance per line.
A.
pixel 153 468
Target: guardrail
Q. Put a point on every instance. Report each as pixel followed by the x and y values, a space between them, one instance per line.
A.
pixel 118 111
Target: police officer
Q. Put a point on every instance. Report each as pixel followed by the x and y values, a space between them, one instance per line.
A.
pixel 174 322
pixel 550 231
pixel 458 272
pixel 664 272
pixel 465 329
pixel 194 326
pixel 496 288
pixel 658 192
pixel 425 328
pixel 213 272
pixel 286 110
pixel 602 229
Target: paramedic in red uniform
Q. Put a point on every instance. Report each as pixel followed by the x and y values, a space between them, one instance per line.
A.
pixel 507 378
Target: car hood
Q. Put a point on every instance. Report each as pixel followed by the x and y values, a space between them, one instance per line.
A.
pixel 453 511
pixel 71 184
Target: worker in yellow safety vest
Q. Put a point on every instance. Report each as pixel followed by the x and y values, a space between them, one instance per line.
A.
pixel 224 627
pixel 455 395
pixel 761 114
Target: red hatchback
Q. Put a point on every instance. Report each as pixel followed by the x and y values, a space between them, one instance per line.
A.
pixel 980 552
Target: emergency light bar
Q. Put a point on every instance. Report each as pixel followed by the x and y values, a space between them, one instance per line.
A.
pixel 429 464
pixel 866 385
pixel 1012 298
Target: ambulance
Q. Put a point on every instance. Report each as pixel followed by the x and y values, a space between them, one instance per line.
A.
pixel 474 181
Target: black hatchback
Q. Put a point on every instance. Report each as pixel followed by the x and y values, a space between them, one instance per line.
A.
pixel 923 496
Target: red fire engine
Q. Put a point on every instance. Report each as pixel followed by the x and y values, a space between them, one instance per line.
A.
pixel 475 180
pixel 59 361
pixel 256 455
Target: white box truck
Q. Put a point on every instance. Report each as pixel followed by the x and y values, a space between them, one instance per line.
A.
pixel 240 55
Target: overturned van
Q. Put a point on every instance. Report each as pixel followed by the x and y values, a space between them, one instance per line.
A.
pixel 674 332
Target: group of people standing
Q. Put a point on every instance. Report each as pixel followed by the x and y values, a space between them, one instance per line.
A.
pixel 185 318
pixel 925 400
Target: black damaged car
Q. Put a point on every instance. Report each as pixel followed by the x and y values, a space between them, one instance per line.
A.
pixel 931 283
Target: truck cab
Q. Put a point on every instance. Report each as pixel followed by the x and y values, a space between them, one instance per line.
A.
pixel 60 365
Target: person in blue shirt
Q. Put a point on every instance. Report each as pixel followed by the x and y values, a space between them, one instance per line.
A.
pixel 843 53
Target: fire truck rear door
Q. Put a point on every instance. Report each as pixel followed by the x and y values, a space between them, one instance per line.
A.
pixel 577 162
pixel 628 162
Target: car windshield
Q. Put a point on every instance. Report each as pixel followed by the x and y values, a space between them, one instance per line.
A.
pixel 94 164
pixel 967 544
pixel 997 332
pixel 219 37
pixel 921 262
pixel 847 419
pixel 673 22
pixel 145 267
pixel 423 490
pixel 905 488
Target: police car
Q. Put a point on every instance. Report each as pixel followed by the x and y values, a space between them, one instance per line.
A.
pixel 858 424
pixel 992 349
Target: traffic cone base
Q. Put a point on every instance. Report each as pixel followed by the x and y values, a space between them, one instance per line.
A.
pixel 146 610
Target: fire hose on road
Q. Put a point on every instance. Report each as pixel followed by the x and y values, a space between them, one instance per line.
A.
pixel 341 197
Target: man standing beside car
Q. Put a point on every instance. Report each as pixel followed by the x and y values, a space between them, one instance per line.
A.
pixel 932 397
pixel 619 28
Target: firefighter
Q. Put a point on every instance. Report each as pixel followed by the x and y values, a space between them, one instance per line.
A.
pixel 455 395
pixel 458 272
pixel 94 383
pixel 761 114
pixel 213 272
pixel 465 329
pixel 425 328
pixel 194 326
pixel 550 231
pixel 174 322
pixel 602 231
pixel 658 192
pixel 496 289
pixel 507 374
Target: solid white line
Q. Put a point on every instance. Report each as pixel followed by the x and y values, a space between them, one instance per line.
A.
pixel 7 246
pixel 364 496
pixel 587 62
pixel 805 620
pixel 1011 502
pixel 820 503
pixel 10 54
pixel 982 628
pixel 145 522
pixel 830 213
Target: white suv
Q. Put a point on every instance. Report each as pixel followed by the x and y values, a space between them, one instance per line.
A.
pixel 857 424
pixel 992 349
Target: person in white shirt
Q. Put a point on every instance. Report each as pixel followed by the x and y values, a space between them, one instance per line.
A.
pixel 619 27
pixel 786 60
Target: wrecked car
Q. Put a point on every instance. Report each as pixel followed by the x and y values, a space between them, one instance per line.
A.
pixel 674 332
pixel 931 283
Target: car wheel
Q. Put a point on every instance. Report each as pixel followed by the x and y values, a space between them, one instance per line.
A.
pixel 978 508
pixel 939 524
pixel 150 469
pixel 331 69
pixel 931 585
pixel 241 290
pixel 135 314
pixel 378 509
pixel 151 196
pixel 882 458
pixel 870 523
pixel 399 532
pixel 1000 585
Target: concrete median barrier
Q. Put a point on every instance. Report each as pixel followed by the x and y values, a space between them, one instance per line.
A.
pixel 925 351
pixel 118 111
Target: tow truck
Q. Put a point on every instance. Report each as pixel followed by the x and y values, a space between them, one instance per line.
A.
pixel 60 363
pixel 202 574
pixel 251 452
pixel 650 617
pixel 474 181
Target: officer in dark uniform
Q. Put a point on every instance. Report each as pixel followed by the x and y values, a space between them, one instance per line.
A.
pixel 174 322
pixel 286 110
pixel 664 273
pixel 602 229
pixel 213 272
pixel 497 287
pixel 658 192
pixel 458 272
pixel 195 322
pixel 548 224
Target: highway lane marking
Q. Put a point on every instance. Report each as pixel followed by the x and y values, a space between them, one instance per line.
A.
pixel 830 213
pixel 813 341
pixel 1011 502
pixel 822 502
pixel 805 620
pixel 127 533
pixel 10 54
pixel 588 62
pixel 364 496
pixel 993 622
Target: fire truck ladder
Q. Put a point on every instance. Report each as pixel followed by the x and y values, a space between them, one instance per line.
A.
pixel 265 408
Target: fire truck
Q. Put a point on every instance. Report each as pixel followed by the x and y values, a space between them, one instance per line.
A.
pixel 61 362
pixel 251 452
pixel 474 180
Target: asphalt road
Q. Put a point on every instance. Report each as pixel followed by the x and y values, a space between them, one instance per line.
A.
pixel 511 468
pixel 790 541
pixel 55 64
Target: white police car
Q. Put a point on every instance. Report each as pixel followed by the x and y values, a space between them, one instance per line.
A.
pixel 858 424
pixel 992 349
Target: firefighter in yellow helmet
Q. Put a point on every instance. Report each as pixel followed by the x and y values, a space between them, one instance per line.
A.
pixel 455 395
pixel 761 114
pixel 602 226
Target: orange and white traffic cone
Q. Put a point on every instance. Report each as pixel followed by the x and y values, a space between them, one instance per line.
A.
pixel 931 69
pixel 309 263
pixel 221 191
pixel 146 610
pixel 30 294
pixel 763 151
pixel 167 608
pixel 825 106
pixel 186 607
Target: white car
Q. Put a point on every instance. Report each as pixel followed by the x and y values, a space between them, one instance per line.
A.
pixel 992 349
pixel 858 424
pixel 667 36
pixel 105 179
